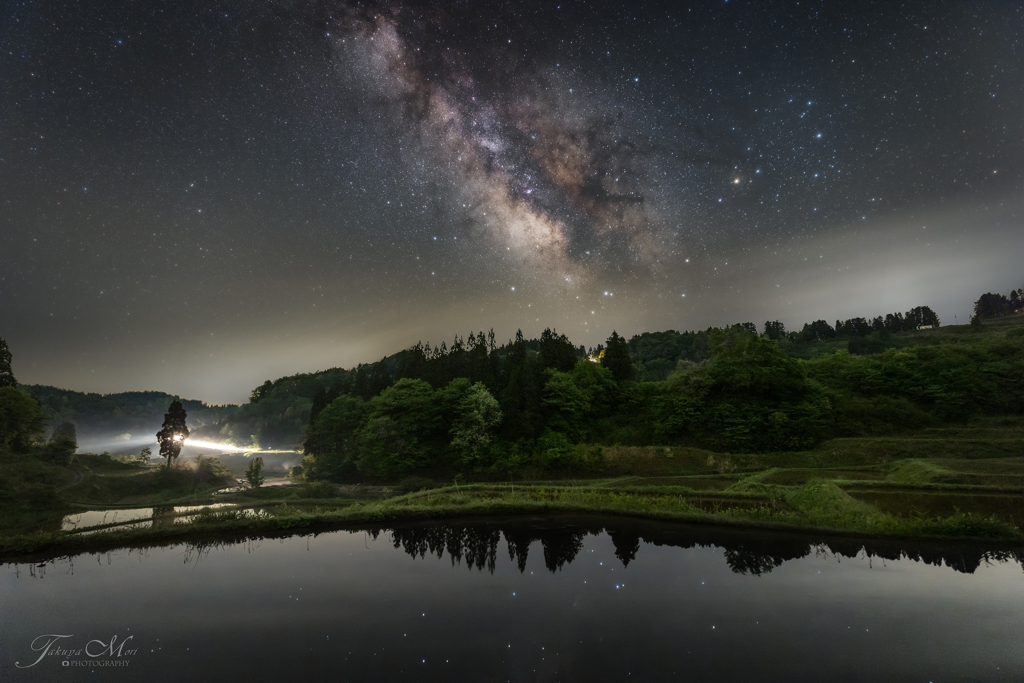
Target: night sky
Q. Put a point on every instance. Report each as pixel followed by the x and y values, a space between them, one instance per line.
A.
pixel 195 197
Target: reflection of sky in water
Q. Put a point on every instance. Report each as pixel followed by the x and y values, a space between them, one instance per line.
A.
pixel 90 518
pixel 348 606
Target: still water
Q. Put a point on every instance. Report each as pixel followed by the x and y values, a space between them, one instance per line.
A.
pixel 573 599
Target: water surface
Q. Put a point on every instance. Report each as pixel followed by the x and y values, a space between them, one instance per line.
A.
pixel 522 599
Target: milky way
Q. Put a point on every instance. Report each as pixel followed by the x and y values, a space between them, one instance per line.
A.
pixel 198 197
pixel 560 189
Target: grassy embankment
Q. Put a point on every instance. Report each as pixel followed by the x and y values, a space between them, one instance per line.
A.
pixel 951 482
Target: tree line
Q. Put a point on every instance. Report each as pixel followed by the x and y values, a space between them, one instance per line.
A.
pixel 991 305
pixel 730 390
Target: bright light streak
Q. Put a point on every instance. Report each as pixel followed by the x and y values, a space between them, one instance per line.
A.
pixel 212 445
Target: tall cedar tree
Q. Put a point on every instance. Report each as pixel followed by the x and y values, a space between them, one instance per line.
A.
pixel 173 434
pixel 6 376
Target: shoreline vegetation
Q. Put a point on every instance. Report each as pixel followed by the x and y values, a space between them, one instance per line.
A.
pixel 919 438
pixel 973 490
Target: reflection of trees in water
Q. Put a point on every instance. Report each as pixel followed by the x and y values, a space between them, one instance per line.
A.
pixel 561 548
pixel 478 544
pixel 744 561
pixel 745 552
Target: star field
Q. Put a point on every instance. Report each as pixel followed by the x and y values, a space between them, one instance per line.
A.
pixel 195 198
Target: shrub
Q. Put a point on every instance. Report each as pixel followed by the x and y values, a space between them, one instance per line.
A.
pixel 210 470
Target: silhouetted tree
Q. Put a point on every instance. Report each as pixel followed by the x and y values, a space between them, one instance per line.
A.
pixel 173 434
pixel 616 358
pixel 990 305
pixel 319 403
pixel 556 351
pixel 921 315
pixel 854 327
pixel 254 472
pixel 774 330
pixel 819 330
pixel 6 375
pixel 894 322
pixel 361 385
pixel 521 387
pixel 380 378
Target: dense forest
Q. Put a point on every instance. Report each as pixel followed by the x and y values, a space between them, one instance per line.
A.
pixel 475 406
pixel 546 403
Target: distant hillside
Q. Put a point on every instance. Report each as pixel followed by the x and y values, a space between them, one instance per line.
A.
pixel 126 418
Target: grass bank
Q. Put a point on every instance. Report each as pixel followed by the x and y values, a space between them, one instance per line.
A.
pixel 819 506
pixel 959 482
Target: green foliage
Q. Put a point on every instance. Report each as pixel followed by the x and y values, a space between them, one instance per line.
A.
pixel 254 472
pixel 573 399
pixel 656 354
pixel 555 449
pixel 404 422
pixel 863 346
pixel 21 420
pixel 477 414
pixel 751 396
pixel 945 381
pixel 330 448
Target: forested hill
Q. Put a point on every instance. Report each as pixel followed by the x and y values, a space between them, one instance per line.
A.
pixel 126 415
pixel 279 411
